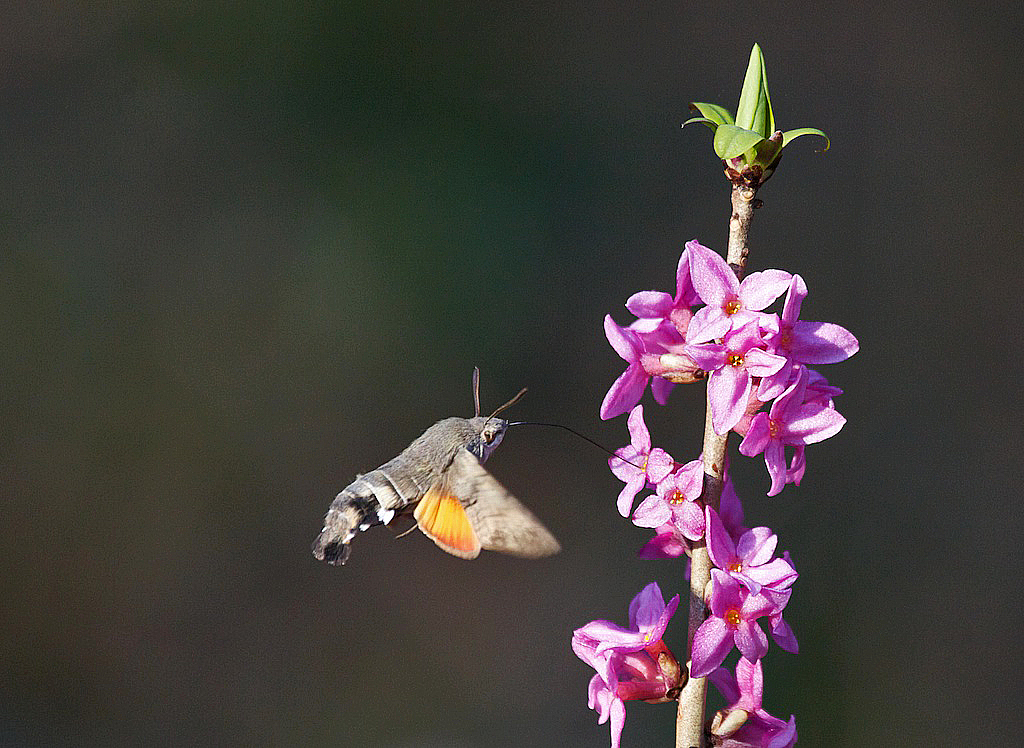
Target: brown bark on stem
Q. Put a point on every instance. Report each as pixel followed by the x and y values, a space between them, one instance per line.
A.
pixel 690 716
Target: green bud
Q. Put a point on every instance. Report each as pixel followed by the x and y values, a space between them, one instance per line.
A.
pixel 748 144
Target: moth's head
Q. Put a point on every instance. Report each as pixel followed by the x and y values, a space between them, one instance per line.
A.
pixel 487 435
pixel 487 432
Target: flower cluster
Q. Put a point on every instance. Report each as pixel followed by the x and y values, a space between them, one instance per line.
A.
pixel 760 385
pixel 748 356
pixel 747 583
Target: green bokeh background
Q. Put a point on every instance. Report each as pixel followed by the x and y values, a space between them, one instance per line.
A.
pixel 250 249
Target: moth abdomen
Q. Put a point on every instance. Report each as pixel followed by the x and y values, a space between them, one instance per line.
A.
pixel 371 499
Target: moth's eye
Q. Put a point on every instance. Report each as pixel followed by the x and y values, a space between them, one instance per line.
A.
pixel 488 436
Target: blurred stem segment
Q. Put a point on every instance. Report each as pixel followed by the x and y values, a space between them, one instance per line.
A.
pixel 690 715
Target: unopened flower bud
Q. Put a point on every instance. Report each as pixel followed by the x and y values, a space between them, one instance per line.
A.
pixel 675 367
pixel 728 721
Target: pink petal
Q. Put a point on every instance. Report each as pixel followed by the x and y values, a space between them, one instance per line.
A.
pixel 773 385
pixel 757 546
pixel 775 461
pixel 797 466
pixel 617 713
pixel 646 607
pixel 750 681
pixel 795 297
pixel 659 465
pixel 666 544
pixel 639 435
pixel 645 325
pixel 628 493
pixel 751 640
pixel 622 466
pixel 648 304
pixel 728 389
pixel 623 340
pixel 661 337
pixel 725 593
pixel 653 512
pixel 712 642
pixel 708 356
pixel 720 545
pixel 690 479
pixel 660 389
pixel 821 343
pixel 761 363
pixel 625 392
pixel 758 290
pixel 730 509
pixel 712 278
pixel 686 294
pixel 709 323
pixel 726 684
pixel 776 574
pixel 813 423
pixel 770 602
pixel 757 436
pixel 690 521
pixel 784 739
pixel 784 636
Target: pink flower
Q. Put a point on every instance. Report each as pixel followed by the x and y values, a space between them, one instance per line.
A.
pixel 658 305
pixel 733 622
pixel 732 363
pixel 730 303
pixel 745 723
pixel 631 663
pixel 641 345
pixel 750 560
pixel 803 342
pixel 789 423
pixel 811 342
pixel 638 464
pixel 627 390
pixel 675 502
pixel 667 542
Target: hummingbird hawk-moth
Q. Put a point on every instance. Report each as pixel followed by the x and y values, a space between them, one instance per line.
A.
pixel 441 479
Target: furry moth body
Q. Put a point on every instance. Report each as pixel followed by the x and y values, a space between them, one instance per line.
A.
pixel 455 501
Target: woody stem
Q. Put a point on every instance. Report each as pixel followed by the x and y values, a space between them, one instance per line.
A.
pixel 690 715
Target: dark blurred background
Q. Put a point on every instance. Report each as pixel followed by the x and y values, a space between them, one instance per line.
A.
pixel 251 249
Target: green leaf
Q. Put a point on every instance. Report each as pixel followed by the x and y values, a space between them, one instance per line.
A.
pixel 702 120
pixel 713 112
pixel 732 141
pixel 754 111
pixel 790 135
pixel 767 152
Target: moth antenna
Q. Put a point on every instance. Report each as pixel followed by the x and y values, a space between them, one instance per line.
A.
pixel 581 436
pixel 476 391
pixel 509 404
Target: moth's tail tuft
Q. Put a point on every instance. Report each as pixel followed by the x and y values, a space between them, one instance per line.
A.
pixel 333 552
pixel 340 526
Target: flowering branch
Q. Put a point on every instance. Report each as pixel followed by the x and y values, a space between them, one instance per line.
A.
pixel 756 366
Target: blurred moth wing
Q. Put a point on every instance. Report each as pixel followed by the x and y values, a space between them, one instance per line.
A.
pixel 468 510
